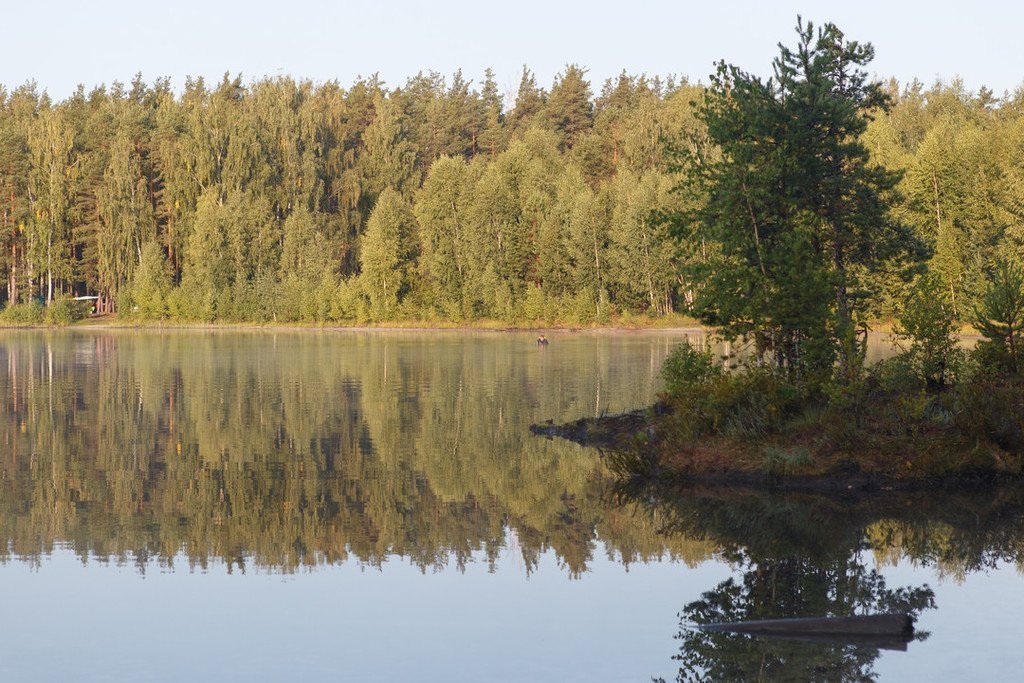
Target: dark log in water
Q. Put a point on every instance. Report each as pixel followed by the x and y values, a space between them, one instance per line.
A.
pixel 897 643
pixel 875 625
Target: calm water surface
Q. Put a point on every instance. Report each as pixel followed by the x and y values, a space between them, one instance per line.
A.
pixel 371 506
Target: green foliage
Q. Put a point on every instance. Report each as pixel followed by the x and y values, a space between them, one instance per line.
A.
pixel 60 311
pixel 31 313
pixel 64 311
pixel 794 209
pixel 260 195
pixel 991 411
pixel 151 284
pixel 1000 318
pixel 926 321
pixel 386 252
pixel 751 403
pixel 687 367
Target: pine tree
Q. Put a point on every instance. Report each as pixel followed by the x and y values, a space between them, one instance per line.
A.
pixel 569 109
pixel 791 201
pixel 529 103
pixel 490 119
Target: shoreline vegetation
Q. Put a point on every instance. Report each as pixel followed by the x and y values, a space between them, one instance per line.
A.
pixel 284 200
pixel 675 323
pixel 800 220
pixel 682 325
pixel 934 415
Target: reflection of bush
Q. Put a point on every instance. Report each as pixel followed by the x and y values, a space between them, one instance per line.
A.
pixel 957 532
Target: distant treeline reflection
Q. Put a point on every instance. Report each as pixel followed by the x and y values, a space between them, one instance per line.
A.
pixel 298 449
pixel 303 448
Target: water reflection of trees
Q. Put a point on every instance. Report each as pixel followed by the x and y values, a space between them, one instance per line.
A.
pixel 296 449
pixel 814 555
pixel 788 587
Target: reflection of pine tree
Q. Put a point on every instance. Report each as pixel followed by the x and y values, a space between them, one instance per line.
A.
pixel 805 556
pixel 789 587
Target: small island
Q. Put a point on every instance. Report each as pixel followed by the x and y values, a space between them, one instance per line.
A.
pixel 797 223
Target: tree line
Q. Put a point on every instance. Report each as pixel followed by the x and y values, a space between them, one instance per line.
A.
pixel 285 199
pixel 288 200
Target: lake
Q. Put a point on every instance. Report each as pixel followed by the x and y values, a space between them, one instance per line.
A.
pixel 353 505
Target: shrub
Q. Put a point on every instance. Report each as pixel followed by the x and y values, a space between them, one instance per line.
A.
pixel 349 302
pixel 64 311
pixel 534 304
pixel 750 403
pixel 191 301
pixel 150 286
pixel 686 367
pixel 30 313
pixel 991 411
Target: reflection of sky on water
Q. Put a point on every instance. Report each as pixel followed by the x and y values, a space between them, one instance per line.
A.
pixel 344 622
pixel 976 632
pixel 348 622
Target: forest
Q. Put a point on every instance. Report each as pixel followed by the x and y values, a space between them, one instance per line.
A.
pixel 443 199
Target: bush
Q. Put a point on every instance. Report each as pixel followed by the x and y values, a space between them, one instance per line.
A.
pixel 190 301
pixel 349 302
pixel 991 411
pixel 750 403
pixel 60 311
pixel 30 313
pixel 150 286
pixel 534 304
pixel 686 367
pixel 64 311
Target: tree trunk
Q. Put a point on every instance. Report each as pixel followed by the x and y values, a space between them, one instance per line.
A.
pixel 12 285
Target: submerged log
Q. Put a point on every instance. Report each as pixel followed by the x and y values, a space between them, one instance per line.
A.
pixel 874 625
pixel 896 643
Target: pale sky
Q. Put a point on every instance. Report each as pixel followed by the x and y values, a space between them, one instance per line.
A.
pixel 61 44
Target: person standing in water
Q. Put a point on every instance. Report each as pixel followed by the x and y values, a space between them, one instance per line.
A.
pixel 542 340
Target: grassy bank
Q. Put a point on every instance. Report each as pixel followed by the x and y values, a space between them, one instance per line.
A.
pixel 891 440
pixel 889 427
